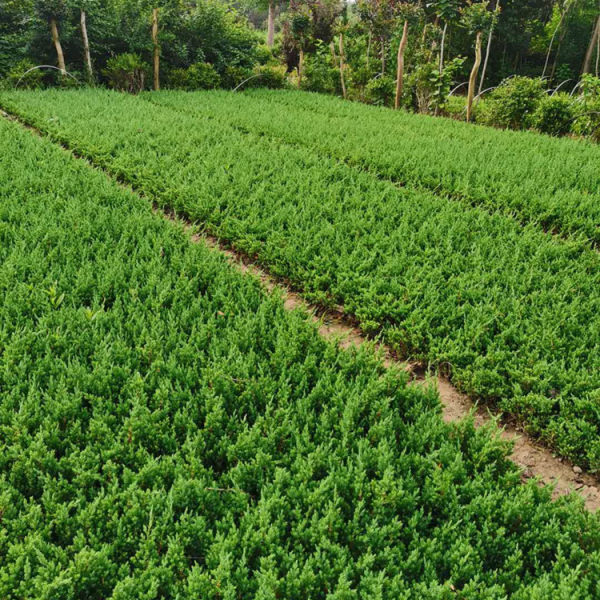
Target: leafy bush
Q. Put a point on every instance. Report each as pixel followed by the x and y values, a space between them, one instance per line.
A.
pixel 319 73
pixel 234 76
pixel 587 122
pixel 513 102
pixel 381 90
pixel 429 88
pixel 126 73
pixel 33 79
pixel 554 114
pixel 199 76
pixel 456 107
pixel 269 76
pixel 264 55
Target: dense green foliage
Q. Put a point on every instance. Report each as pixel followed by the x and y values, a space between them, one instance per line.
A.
pixel 555 183
pixel 189 33
pixel 169 431
pixel 549 44
pixel 512 313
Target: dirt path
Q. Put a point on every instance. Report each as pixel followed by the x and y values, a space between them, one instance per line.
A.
pixel 535 460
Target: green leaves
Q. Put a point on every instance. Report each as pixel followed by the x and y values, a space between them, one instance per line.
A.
pixel 168 430
pixel 507 308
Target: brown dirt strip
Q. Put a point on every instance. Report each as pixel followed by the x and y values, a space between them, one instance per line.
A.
pixel 534 460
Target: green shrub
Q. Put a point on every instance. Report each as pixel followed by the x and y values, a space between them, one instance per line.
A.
pixel 381 91
pixel 320 75
pixel 513 102
pixel 587 121
pixel 199 76
pixel 456 107
pixel 233 76
pixel 264 55
pixel 269 76
pixel 554 114
pixel 33 79
pixel 126 73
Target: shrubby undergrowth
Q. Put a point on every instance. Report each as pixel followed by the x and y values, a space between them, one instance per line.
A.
pixel 510 312
pixel 553 183
pixel 169 431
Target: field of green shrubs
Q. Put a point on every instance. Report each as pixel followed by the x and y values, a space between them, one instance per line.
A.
pixel 510 312
pixel 169 430
pixel 552 182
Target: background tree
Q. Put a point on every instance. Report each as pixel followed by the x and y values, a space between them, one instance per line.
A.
pixel 53 12
pixel 477 19
pixel 448 12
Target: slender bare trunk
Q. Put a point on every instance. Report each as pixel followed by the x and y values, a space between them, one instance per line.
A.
pixel 342 66
pixel 552 42
pixel 300 66
pixel 59 52
pixel 271 24
pixel 487 52
pixel 369 49
pixel 156 49
pixel 382 55
pixel 400 66
pixel 561 39
pixel 333 56
pixel 443 42
pixel 590 50
pixel 86 48
pixel 473 77
pixel 597 53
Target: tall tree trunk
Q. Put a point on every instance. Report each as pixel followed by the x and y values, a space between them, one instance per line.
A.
pixel 487 51
pixel 342 65
pixel 400 66
pixel 473 77
pixel 590 50
pixel 300 66
pixel 271 24
pixel 369 49
pixel 59 53
pixel 156 49
pixel 86 48
pixel 382 56
pixel 442 47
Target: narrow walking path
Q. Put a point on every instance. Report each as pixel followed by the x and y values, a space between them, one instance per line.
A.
pixel 535 460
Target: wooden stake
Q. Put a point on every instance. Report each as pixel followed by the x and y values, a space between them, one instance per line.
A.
pixel 400 67
pixel 271 24
pixel 300 66
pixel 473 77
pixel 156 49
pixel 341 43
